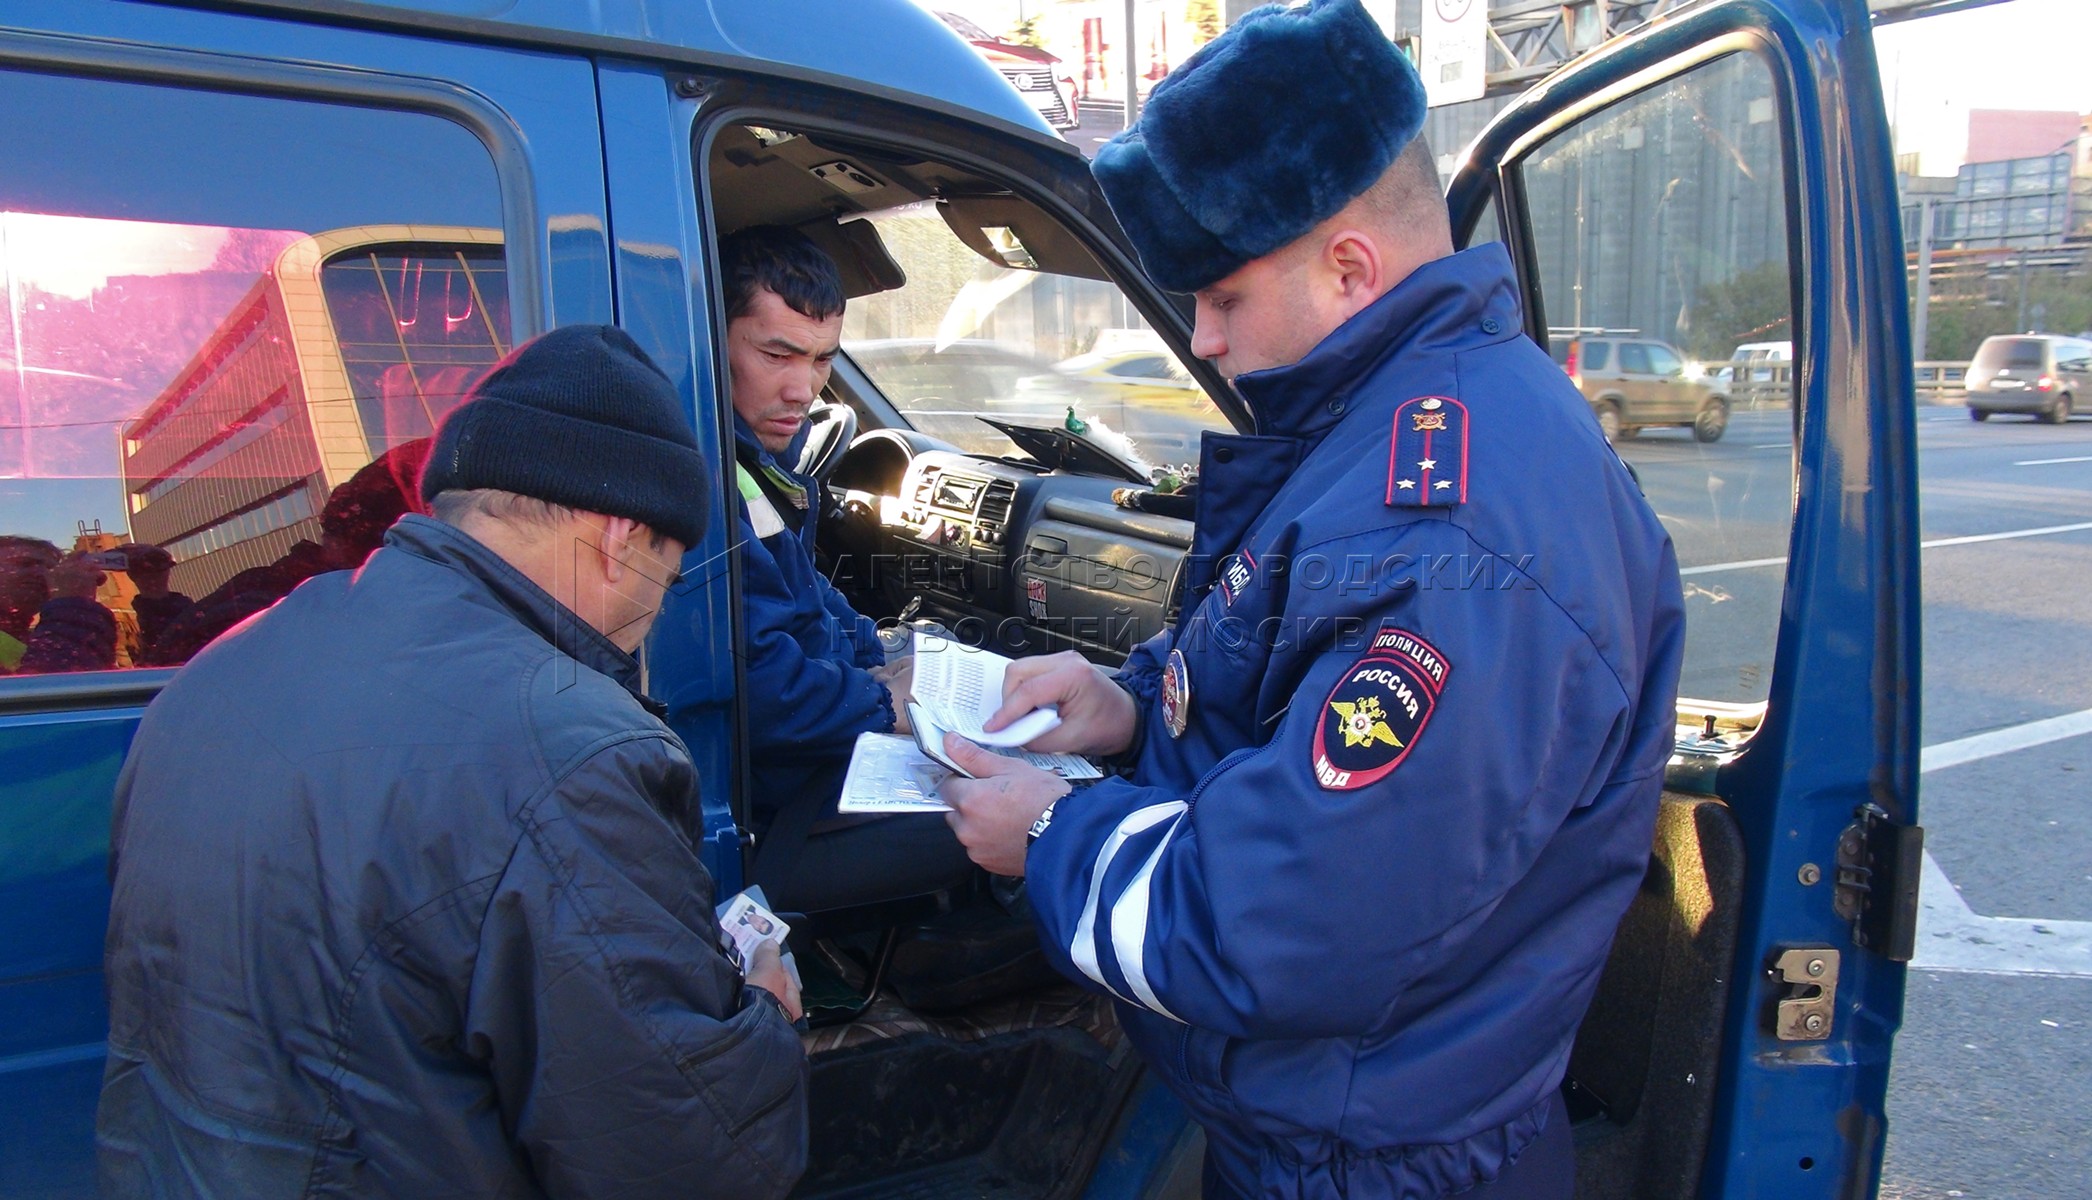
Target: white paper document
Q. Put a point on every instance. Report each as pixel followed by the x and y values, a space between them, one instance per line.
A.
pixel 890 774
pixel 929 738
pixel 962 687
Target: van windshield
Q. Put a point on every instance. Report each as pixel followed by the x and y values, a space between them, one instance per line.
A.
pixel 2008 352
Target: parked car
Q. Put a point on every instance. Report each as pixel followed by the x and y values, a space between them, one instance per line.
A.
pixel 1634 383
pixel 1035 73
pixel 2036 373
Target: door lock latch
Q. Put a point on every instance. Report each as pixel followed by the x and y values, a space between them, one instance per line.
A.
pixel 1809 976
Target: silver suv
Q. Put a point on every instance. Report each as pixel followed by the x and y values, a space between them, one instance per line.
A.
pixel 1633 383
pixel 2032 373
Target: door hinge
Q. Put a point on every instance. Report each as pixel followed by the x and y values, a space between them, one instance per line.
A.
pixel 1879 861
pixel 1810 1003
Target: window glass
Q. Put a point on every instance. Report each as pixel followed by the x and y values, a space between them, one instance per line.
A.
pixel 1663 217
pixel 1996 352
pixel 231 325
pixel 965 338
pixel 1597 356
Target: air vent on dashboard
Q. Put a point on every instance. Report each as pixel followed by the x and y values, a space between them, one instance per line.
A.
pixel 993 512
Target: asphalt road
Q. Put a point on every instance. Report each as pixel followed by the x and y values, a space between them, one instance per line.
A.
pixel 1991 1091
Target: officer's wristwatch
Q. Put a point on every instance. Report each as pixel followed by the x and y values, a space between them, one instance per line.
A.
pixel 1038 827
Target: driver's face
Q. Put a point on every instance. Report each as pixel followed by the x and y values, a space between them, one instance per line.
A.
pixel 778 360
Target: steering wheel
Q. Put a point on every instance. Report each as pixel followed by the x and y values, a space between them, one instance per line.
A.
pixel 830 428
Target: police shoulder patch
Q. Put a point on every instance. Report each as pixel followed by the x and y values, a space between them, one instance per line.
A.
pixel 1377 710
pixel 1427 457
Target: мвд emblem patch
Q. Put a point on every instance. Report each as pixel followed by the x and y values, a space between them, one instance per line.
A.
pixel 1377 710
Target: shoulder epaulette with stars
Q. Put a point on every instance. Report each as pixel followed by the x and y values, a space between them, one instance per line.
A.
pixel 1427 467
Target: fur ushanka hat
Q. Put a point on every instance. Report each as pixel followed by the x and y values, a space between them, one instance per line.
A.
pixel 1267 131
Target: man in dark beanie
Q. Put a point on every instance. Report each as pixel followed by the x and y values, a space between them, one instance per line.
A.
pixel 405 897
pixel 1380 818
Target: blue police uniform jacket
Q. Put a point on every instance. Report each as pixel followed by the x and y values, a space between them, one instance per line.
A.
pixel 1399 762
pixel 808 653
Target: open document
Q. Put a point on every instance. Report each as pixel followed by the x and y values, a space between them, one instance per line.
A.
pixel 961 687
pixel 894 774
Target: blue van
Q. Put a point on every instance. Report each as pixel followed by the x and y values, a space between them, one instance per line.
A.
pixel 255 249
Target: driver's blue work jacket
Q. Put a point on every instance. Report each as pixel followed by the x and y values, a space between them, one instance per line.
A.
pixel 808 653
pixel 1400 759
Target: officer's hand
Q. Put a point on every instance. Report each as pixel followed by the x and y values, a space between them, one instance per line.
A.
pixel 766 970
pixel 993 812
pixel 1097 716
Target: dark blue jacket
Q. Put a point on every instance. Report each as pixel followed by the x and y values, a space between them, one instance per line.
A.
pixel 405 905
pixel 808 653
pixel 1355 912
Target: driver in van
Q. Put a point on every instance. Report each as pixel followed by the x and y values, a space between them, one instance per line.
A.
pixel 817 675
pixel 1378 819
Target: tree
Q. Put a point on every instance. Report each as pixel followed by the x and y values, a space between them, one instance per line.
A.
pixel 1752 306
pixel 1204 18
pixel 1026 33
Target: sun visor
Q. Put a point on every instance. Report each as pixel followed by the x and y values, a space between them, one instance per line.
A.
pixel 1010 232
pixel 860 257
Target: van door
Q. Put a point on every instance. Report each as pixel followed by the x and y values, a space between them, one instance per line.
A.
pixel 1719 175
pixel 249 263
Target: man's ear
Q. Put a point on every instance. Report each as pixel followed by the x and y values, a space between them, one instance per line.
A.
pixel 1354 264
pixel 618 542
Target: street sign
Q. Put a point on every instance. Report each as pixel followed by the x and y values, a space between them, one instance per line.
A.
pixel 1455 50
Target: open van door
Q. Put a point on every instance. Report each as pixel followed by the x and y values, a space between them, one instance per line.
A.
pixel 1725 176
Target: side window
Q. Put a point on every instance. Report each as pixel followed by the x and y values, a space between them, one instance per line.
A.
pixel 1598 356
pixel 1663 216
pixel 232 323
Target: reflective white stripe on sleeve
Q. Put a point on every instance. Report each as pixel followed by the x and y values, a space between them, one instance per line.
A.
pixel 1129 929
pixel 763 518
pixel 1083 948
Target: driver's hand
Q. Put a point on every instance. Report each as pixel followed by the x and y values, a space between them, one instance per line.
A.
pixel 766 970
pixel 1097 715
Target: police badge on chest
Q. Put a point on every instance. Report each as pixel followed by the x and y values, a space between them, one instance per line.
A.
pixel 1176 694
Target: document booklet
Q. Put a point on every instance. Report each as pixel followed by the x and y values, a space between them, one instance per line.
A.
pixel 894 774
pixel 929 738
pixel 961 687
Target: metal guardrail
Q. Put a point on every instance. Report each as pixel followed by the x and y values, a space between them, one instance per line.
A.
pixel 1941 382
pixel 1763 384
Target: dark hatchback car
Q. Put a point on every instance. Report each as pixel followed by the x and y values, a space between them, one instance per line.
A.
pixel 2037 374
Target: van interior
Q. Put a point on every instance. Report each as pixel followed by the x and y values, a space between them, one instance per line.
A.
pixel 999 447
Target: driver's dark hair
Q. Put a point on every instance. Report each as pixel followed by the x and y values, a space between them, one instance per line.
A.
pixel 786 261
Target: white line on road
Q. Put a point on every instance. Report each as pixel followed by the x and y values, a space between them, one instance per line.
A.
pixel 1746 563
pixel 1773 446
pixel 2043 462
pixel 1972 539
pixel 1954 937
pixel 2003 741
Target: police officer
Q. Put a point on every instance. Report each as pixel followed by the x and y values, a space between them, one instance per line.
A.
pixel 1390 783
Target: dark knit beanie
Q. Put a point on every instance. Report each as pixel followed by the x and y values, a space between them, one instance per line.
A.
pixel 583 418
pixel 1269 130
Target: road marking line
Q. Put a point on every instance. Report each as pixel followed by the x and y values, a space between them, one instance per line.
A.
pixel 1773 446
pixel 1733 566
pixel 2003 741
pixel 1970 540
pixel 2043 462
pixel 1954 937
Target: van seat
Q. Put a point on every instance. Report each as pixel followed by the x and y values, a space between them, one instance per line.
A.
pixel 1642 1072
